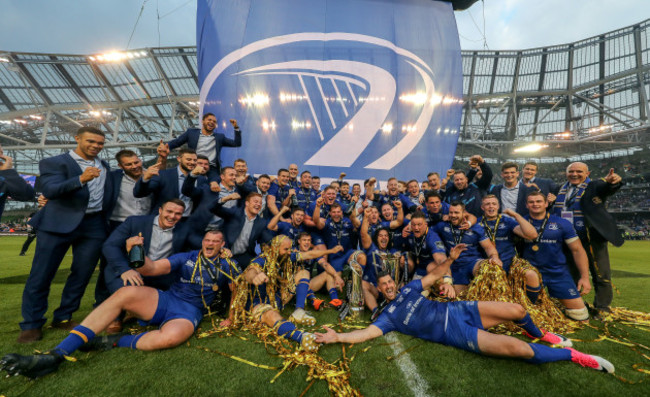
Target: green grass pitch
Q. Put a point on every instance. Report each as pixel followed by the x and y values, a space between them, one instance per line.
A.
pixel 187 370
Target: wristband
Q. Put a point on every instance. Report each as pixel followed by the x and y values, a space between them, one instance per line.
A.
pixel 447 280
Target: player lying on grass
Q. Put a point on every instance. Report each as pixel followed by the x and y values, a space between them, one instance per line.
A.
pixel 461 324
pixel 178 311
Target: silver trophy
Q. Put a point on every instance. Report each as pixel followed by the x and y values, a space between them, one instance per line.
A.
pixel 390 264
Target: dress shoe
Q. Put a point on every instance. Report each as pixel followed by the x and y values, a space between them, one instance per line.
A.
pixel 66 325
pixel 30 335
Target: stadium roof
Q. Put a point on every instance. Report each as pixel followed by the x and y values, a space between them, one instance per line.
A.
pixel 579 98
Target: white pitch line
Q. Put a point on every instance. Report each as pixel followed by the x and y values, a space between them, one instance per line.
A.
pixel 414 380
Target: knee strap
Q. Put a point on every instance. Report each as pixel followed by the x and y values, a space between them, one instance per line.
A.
pixel 577 314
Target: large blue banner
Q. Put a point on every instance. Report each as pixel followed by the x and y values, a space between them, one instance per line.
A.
pixel 366 87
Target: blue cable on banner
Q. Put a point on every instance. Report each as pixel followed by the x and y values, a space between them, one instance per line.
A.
pixel 365 87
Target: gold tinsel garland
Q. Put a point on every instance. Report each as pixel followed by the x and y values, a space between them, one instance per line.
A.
pixel 493 284
pixel 280 273
pixel 490 284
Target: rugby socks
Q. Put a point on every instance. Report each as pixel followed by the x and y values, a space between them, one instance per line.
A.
pixel 130 341
pixel 533 292
pixel 288 330
pixel 545 354
pixel 302 291
pixel 529 326
pixel 333 293
pixel 310 295
pixel 77 337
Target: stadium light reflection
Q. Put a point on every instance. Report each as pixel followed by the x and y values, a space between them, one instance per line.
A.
pixel 259 99
pixel 533 147
pixel 117 56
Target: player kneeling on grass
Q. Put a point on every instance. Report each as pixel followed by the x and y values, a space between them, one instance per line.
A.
pixel 546 253
pixel 461 324
pixel 178 311
pixel 270 276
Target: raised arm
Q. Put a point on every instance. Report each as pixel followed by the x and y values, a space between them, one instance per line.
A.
pixel 318 221
pixel 227 142
pixel 395 223
pixel 366 239
pixel 273 223
pixel 524 229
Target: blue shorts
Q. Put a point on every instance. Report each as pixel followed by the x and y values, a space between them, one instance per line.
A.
pixel 560 286
pixel 171 308
pixel 462 325
pixel 462 274
pixel 339 259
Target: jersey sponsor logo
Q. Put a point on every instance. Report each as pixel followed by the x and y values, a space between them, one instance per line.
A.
pixel 440 245
pixel 553 226
pixel 580 224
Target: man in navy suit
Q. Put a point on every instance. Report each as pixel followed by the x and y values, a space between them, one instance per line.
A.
pixel 243 227
pixel 77 187
pixel 207 142
pixel 167 184
pixel 202 218
pixel 121 205
pixel 582 201
pixel 11 184
pixel 512 192
pixel 160 235
pixel 461 188
pixel 122 202
pixel 545 185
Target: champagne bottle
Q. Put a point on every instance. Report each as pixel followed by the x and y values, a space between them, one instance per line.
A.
pixel 136 256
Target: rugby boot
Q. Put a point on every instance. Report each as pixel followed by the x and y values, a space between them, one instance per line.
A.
pixel 300 316
pixel 33 366
pixel 308 342
pixel 553 339
pixel 317 303
pixel 589 361
pixel 336 303
pixel 102 343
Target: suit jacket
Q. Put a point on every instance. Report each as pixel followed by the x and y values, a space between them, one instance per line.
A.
pixel 593 208
pixel 67 198
pixel 163 186
pixel 521 196
pixel 546 185
pixel 114 248
pixel 191 137
pixel 12 184
pixel 199 191
pixel 234 223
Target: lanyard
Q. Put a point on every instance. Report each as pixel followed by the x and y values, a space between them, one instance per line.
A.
pixel 541 229
pixel 418 246
pixel 338 229
pixel 460 233
pixel 492 233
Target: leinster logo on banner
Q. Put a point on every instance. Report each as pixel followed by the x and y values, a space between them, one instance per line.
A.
pixel 366 87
